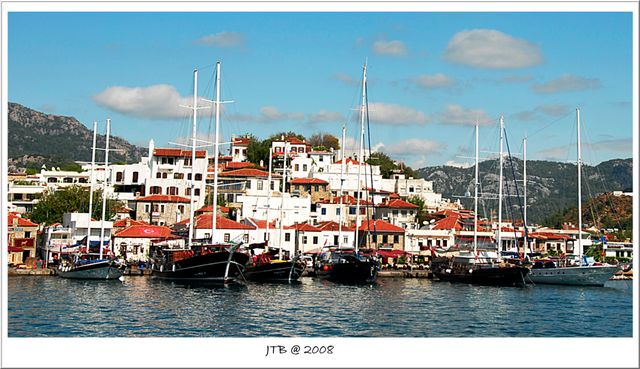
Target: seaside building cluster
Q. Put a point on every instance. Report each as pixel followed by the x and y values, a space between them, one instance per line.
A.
pixel 320 192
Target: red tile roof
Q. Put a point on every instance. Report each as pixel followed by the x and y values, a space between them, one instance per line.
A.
pixel 348 161
pixel 304 227
pixel 380 226
pixel 238 165
pixel 549 236
pixel 398 204
pixel 162 198
pixel 334 226
pixel 450 222
pixel 178 152
pixel 22 222
pixel 241 141
pixel 123 222
pixel 145 231
pixel 246 172
pixel 308 181
pixel 205 221
pixel 293 141
pixel 209 209
pixel 261 223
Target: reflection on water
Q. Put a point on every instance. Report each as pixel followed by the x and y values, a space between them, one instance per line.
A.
pixel 140 306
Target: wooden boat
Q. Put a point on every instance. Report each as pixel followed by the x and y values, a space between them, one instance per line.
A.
pixel 346 265
pixel 267 267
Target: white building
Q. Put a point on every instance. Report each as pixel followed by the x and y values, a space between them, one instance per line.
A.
pixel 234 184
pixel 133 242
pixel 238 150
pixel 349 177
pixel 295 209
pixel 78 225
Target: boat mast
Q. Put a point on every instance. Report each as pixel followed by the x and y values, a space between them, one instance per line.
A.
pixel 361 151
pixel 284 183
pixel 500 187
pixel 266 248
pixel 524 180
pixel 93 163
pixel 342 148
pixel 475 199
pixel 579 191
pixel 193 155
pixel 104 187
pixel 216 152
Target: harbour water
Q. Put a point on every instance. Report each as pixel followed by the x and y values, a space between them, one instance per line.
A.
pixel 393 307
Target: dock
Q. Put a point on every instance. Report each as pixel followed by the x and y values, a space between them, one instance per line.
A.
pixel 405 273
pixel 30 271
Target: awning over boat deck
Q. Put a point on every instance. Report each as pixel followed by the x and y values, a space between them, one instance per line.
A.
pixel 391 253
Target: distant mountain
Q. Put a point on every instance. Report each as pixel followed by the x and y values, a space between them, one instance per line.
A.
pixel 36 138
pixel 551 186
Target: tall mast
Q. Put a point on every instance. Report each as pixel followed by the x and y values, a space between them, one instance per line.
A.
pixel 193 155
pixel 104 187
pixel 93 163
pixel 342 147
pixel 216 152
pixel 266 248
pixel 579 191
pixel 500 187
pixel 361 151
pixel 524 177
pixel 284 183
pixel 475 199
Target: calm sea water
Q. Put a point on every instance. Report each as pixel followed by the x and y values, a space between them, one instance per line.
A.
pixel 141 306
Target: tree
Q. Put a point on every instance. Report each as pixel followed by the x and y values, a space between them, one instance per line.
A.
pixel 324 141
pixel 258 151
pixel 419 202
pixel 388 165
pixel 279 135
pixel 54 204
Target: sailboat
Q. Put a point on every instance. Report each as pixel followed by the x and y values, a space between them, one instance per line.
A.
pixel 347 264
pixel 582 274
pixel 92 266
pixel 478 267
pixel 270 265
pixel 217 263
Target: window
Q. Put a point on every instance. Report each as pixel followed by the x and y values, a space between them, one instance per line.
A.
pixel 237 151
pixel 304 240
pixel 352 210
pixel 158 175
pixel 181 209
pixel 297 167
pixel 164 175
pixel 304 167
pixel 248 184
pixel 315 188
pixel 155 190
pixel 287 237
pixel 134 177
pixel 187 191
pixel 385 239
pixel 444 243
pixel 260 185
pixel 410 188
pixel 323 211
pixel 178 176
pixel 27 234
pixel 172 190
pixel 187 162
pixel 321 158
pixel 198 177
pixel 146 208
pixel 245 238
pixel 52 180
pixel 345 239
pixel 337 211
pixel 335 240
pixel 362 210
pixel 189 176
pixel 315 240
pixel 272 185
pixel 396 239
pixel 162 208
pixel 67 180
pixel 156 208
pixel 119 176
pixel 227 237
pixel 196 192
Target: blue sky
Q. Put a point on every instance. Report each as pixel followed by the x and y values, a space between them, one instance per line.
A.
pixel 431 75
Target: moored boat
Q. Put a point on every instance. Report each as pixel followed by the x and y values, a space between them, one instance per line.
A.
pixel 483 269
pixel 268 267
pixel 346 265
pixel 80 268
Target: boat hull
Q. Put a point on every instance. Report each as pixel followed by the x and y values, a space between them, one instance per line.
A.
pixel 574 276
pixel 100 270
pixel 350 272
pixel 490 276
pixel 216 267
pixel 285 271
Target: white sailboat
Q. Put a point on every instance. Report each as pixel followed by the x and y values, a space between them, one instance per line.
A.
pixel 88 267
pixel 582 274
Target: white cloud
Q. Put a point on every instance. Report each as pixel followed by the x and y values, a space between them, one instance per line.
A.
pixel 392 48
pixel 267 114
pixel 348 80
pixel 456 164
pixel 458 115
pixel 542 112
pixel 516 78
pixel 414 146
pixel 153 102
pixel 491 49
pixel 566 83
pixel 434 81
pixel 222 39
pixel 395 114
pixel 623 146
pixel 326 116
